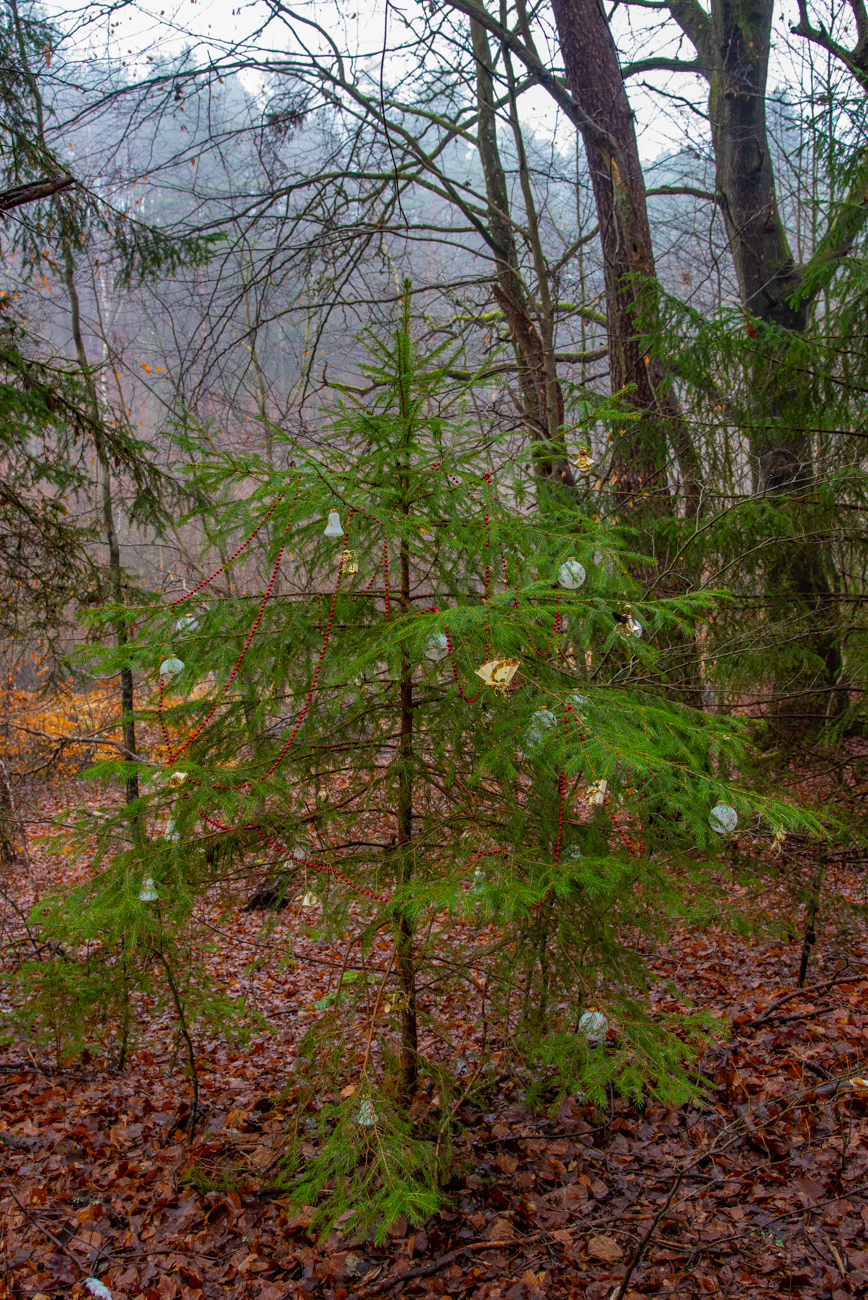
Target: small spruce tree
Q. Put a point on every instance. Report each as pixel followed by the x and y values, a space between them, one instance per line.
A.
pixel 447 712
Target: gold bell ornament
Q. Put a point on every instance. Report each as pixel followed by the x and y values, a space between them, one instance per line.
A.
pixel 498 673
pixel 584 464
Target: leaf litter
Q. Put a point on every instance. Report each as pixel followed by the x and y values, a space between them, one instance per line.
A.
pixel 758 1188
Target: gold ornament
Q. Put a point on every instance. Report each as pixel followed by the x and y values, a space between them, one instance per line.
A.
pixel 584 464
pixel 596 793
pixel 176 780
pixel 349 561
pixel 626 624
pixel 498 673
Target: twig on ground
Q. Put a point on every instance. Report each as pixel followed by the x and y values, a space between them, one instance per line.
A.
pixel 837 978
pixel 643 1244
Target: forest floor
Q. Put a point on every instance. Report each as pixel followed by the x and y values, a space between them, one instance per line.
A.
pixel 757 1189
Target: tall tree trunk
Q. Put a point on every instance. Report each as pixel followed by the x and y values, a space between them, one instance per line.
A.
pixel 597 86
pixel 403 925
pixel 734 45
pixel 537 372
pixel 104 478
pixel 107 506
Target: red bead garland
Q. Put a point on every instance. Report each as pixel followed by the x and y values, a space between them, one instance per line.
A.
pixel 555 634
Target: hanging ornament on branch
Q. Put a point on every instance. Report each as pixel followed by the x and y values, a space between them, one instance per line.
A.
pixel 498 673
pixel 625 624
pixel 436 647
pixel 722 819
pixel 578 703
pixel 349 561
pixel 596 792
pixel 594 1025
pixel 171 668
pixel 542 722
pixel 584 464
pixel 571 575
pixel 147 893
pixel 334 527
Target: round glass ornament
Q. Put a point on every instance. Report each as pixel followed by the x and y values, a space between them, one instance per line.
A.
pixel 436 647
pixel 571 575
pixel 171 668
pixel 722 819
pixel 594 1025
pixel 541 723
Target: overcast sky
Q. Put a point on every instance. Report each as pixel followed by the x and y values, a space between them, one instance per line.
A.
pixel 128 33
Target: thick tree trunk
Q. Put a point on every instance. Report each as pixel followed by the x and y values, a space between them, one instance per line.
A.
pixel 594 76
pixel 734 49
pixel 767 277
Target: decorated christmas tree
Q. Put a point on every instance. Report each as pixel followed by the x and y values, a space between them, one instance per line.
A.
pixel 434 718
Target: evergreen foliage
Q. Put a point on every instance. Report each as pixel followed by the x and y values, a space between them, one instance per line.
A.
pixel 335 723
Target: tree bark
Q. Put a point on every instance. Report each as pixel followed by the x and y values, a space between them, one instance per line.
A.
pixel 733 45
pixel 537 372
pixel 740 39
pixel 115 569
pixel 594 75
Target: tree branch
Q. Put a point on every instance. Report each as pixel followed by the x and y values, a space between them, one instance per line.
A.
pixel 30 193
pixel 663 65
pixel 683 189
pixel 855 61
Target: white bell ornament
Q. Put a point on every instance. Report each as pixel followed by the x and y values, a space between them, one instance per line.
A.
pixel 147 893
pixel 334 527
